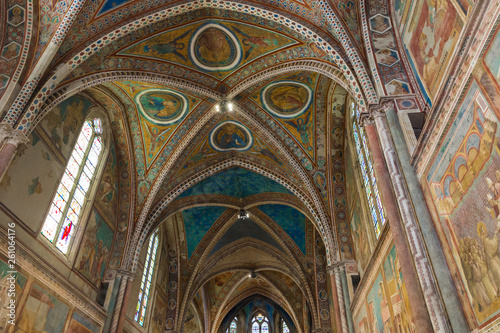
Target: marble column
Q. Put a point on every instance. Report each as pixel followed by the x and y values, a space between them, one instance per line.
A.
pixel 437 258
pixel 115 285
pixel 126 298
pixel 419 312
pixel 119 301
pixel 10 140
pixel 425 274
pixel 336 300
pixel 347 299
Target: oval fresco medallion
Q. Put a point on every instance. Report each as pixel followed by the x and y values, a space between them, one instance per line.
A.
pixel 231 135
pixel 287 99
pixel 213 47
pixel 162 106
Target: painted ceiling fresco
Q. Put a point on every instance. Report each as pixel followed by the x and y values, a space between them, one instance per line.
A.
pixel 291 100
pixel 210 46
pixel 236 182
pixel 250 45
pixel 87 25
pixel 291 220
pixel 197 221
pixel 160 110
pixel 230 135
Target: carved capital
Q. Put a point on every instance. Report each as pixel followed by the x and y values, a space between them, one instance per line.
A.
pixel 5 130
pixel 125 274
pixel 17 137
pixel 14 137
pixel 387 104
pixel 379 110
pixel 366 120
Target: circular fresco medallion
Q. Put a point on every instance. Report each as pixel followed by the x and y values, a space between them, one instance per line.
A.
pixel 324 314
pixel 323 295
pixel 286 99
pixel 231 135
pixel 213 47
pixel 162 106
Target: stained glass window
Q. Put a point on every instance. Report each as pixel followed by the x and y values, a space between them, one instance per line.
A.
pixel 369 181
pixel 147 276
pixel 260 324
pixel 285 328
pixel 66 207
pixel 233 327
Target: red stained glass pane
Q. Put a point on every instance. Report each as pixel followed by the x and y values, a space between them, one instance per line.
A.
pixel 55 212
pixel 49 228
pixel 87 129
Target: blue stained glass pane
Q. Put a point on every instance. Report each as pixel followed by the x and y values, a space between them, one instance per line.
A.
pixel 233 327
pixel 285 328
pixel 92 158
pixel 372 175
pixel 146 279
pixel 255 328
pixel 63 194
pixel 65 235
pixel 89 168
pixel 97 145
pixel 366 178
pixel 79 196
pixel 265 328
pixel 84 182
pixel 97 126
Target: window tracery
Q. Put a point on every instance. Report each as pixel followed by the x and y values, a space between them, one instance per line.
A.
pixel 234 327
pixel 285 328
pixel 368 174
pixel 146 281
pixel 260 324
pixel 68 202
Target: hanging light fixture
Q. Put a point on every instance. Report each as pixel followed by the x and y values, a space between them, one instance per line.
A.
pixel 224 106
pixel 243 214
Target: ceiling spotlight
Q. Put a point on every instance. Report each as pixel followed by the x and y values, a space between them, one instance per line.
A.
pixel 243 214
pixel 230 106
pixel 217 107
